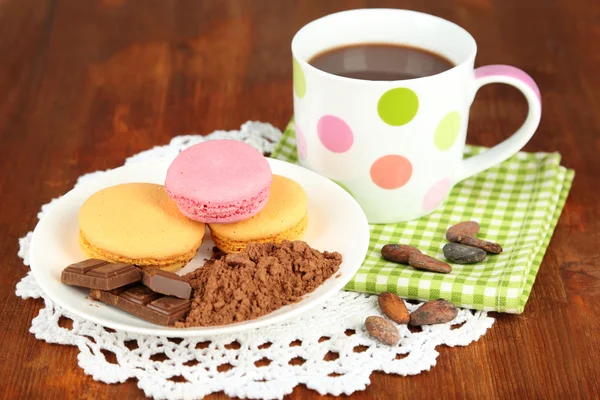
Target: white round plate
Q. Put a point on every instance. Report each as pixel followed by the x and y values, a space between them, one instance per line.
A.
pixel 335 223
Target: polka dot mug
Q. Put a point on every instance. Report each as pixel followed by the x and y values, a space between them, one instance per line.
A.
pixel 396 146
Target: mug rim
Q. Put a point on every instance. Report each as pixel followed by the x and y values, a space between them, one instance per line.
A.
pixel 459 65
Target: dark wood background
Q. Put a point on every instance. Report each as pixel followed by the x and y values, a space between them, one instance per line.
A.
pixel 85 84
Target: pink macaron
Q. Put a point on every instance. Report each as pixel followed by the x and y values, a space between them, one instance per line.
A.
pixel 219 181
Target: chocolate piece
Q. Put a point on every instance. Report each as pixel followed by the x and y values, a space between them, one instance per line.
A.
pixel 99 274
pixel 142 302
pixel 139 294
pixel 166 282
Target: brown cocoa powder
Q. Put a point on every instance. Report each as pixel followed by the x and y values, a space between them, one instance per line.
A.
pixel 253 283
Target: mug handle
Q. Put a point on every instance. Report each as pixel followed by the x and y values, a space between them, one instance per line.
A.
pixel 522 81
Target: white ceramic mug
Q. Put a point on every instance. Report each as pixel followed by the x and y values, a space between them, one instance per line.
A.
pixel 396 146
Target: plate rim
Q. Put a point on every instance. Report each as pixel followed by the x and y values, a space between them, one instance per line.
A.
pixel 209 330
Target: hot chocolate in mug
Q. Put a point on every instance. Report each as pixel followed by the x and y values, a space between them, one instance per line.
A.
pixel 396 146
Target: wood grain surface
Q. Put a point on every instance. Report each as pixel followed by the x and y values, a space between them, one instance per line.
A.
pixel 85 84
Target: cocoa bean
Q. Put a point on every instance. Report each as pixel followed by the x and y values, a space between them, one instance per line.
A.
pixel 490 247
pixel 423 261
pixel 394 307
pixel 398 253
pixel 461 254
pixel 466 228
pixel 434 312
pixel 382 330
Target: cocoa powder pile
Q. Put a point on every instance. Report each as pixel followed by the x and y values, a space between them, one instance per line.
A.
pixel 243 286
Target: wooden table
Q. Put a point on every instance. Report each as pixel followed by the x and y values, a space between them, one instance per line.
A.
pixel 85 84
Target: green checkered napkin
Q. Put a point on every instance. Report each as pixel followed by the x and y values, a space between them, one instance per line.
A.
pixel 517 204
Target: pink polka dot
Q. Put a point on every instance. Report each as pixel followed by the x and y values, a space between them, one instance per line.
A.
pixel 436 194
pixel 301 145
pixel 335 134
pixel 391 172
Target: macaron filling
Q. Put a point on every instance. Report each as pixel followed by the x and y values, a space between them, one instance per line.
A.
pixel 222 213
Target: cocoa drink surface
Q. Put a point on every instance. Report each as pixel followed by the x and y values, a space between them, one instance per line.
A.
pixel 247 285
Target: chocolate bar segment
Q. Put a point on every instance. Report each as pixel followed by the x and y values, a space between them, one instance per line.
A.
pixel 99 274
pixel 144 303
pixel 170 305
pixel 140 295
pixel 166 282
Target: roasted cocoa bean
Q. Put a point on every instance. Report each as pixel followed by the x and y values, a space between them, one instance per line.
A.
pixel 490 247
pixel 433 312
pixel 461 254
pixel 382 330
pixel 394 308
pixel 398 253
pixel 466 228
pixel 422 261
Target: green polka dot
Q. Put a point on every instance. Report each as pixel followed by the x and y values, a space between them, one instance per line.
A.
pixel 447 131
pixel 398 106
pixel 344 187
pixel 299 80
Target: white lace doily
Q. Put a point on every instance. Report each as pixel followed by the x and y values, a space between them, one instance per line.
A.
pixel 327 349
